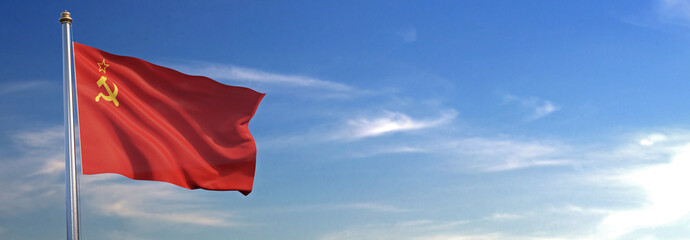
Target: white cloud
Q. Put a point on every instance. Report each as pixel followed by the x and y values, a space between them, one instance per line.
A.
pixel 544 109
pixel 363 127
pixel 226 72
pixel 667 198
pixel 389 122
pixel 539 108
pixel 652 139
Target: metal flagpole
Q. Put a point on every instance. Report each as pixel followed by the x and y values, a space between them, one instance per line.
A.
pixel 72 192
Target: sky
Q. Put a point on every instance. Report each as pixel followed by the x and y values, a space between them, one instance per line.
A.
pixel 420 120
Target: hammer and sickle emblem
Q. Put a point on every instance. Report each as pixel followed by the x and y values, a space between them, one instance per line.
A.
pixel 111 97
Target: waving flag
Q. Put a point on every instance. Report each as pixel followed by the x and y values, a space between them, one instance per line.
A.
pixel 149 122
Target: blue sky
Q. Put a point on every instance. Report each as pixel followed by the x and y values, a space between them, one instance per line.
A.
pixel 443 120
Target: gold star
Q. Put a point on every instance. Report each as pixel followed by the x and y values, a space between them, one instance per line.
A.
pixel 102 66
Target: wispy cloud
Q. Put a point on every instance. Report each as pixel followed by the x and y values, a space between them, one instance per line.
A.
pixel 15 87
pixel 502 154
pixel 503 217
pixel 538 108
pixel 151 201
pixel 51 166
pixel 569 208
pixel 644 148
pixel 48 137
pixel 389 122
pixel 227 72
pixel 33 178
pixel 379 150
pixel 474 153
pixel 375 207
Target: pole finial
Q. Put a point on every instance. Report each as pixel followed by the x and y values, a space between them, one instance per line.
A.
pixel 65 17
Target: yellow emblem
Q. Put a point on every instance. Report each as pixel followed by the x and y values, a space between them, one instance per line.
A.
pixel 111 97
pixel 102 66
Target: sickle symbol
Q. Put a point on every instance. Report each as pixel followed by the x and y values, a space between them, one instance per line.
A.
pixel 111 95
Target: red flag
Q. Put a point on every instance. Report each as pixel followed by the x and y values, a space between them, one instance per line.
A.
pixel 149 122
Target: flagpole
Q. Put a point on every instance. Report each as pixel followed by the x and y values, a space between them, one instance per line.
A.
pixel 72 191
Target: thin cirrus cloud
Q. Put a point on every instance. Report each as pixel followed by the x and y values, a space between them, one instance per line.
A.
pixel 389 122
pixel 538 108
pixel 461 153
pixel 227 72
pixel 378 150
pixel 16 87
pixel 486 154
pixel 495 154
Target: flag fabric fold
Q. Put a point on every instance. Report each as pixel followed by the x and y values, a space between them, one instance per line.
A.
pixel 148 122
